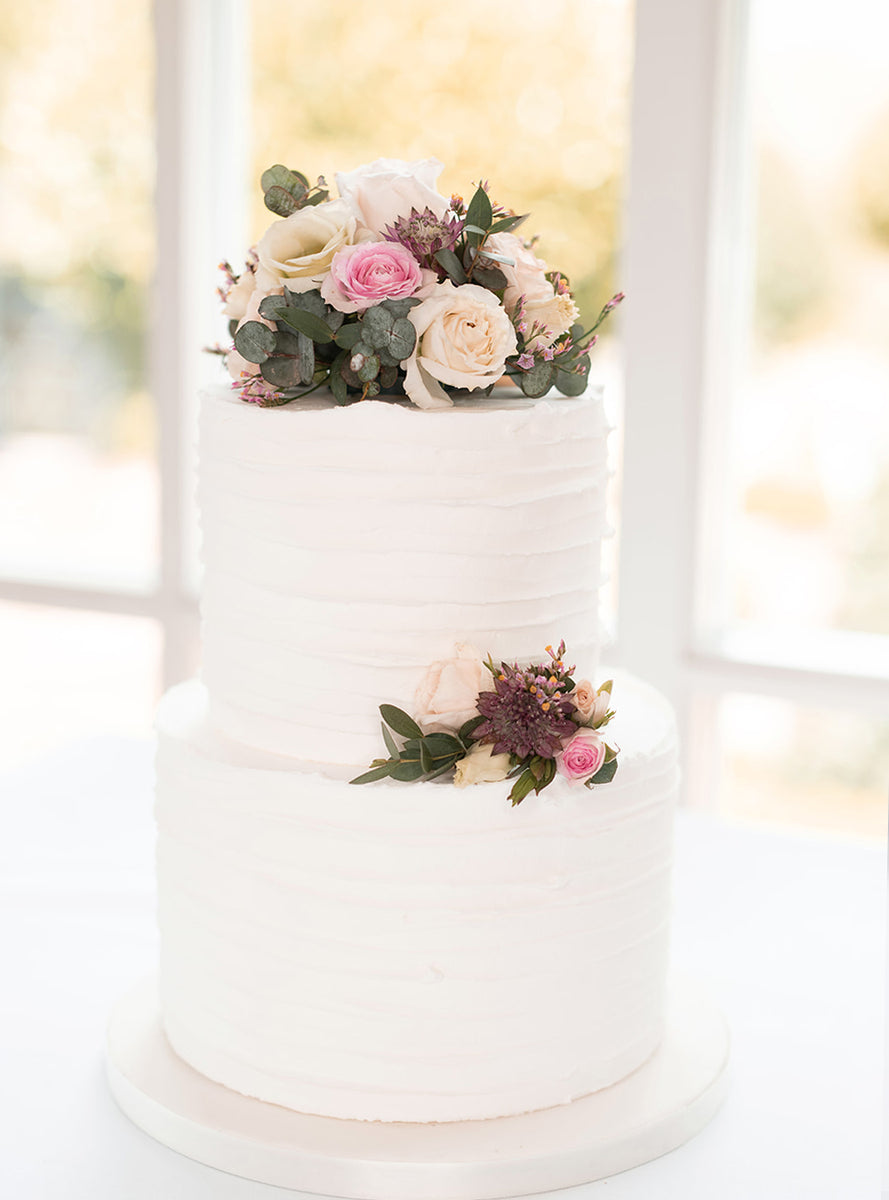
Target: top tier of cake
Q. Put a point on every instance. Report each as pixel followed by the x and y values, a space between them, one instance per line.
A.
pixel 347 549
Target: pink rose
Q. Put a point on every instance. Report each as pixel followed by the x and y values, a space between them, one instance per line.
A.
pixel 363 275
pixel 581 756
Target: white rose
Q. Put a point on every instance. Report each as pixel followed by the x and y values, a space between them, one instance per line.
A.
pixel 556 313
pixel 481 765
pixel 464 338
pixel 236 300
pixel 389 188
pixel 238 366
pixel 527 277
pixel 297 251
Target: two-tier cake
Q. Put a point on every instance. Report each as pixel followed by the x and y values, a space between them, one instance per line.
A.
pixel 460 911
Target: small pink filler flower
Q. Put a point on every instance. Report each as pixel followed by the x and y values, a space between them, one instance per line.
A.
pixel 363 275
pixel 581 756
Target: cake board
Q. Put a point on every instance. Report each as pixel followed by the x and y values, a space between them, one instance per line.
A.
pixel 661 1105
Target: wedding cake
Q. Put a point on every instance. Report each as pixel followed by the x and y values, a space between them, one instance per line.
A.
pixel 459 911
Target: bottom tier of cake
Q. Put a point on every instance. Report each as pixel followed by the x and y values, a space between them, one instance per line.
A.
pixel 411 952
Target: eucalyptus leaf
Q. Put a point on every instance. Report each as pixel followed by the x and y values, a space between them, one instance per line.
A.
pixel 281 202
pixel 337 383
pixel 255 341
pixel 376 320
pixel 369 369
pixel 287 341
pixel 442 745
pixel 398 720
pixel 538 380
pixel 402 339
pixel 569 383
pixel 271 307
pixel 400 307
pixel 282 372
pixel 306 357
pixel 388 374
pixel 232 328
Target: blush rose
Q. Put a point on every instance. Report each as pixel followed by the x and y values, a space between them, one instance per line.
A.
pixel 363 275
pixel 581 756
pixel 447 696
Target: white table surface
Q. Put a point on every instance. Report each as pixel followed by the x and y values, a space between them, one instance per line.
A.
pixel 787 929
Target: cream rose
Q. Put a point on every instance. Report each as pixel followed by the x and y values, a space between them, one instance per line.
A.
pixel 297 251
pixel 384 190
pixel 464 338
pixel 481 766
pixel 526 277
pixel 447 695
pixel 555 313
pixel 239 295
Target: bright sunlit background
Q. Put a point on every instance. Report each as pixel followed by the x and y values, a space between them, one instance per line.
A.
pixel 806 530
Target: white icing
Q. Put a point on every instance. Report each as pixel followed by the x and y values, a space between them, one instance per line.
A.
pixel 346 549
pixel 411 951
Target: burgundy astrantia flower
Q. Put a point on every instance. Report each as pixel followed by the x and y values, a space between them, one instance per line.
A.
pixel 528 713
pixel 423 233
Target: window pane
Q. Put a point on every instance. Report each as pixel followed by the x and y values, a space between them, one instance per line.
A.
pixel 69 675
pixel 808 766
pixel 78 477
pixel 808 537
pixel 540 107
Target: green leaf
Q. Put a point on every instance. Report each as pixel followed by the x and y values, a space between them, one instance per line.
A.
pixel 388 374
pixel 610 753
pixel 315 198
pixel 232 328
pixel 606 686
pixel 376 320
pixel 391 744
pixel 569 383
pixel 491 278
pixel 522 786
pixel 400 307
pixel 281 202
pixel 255 341
pixel 347 335
pixel 479 213
pixel 474 229
pixel 335 380
pixel 287 341
pixel 538 380
pixel 447 766
pixel 425 758
pixel 468 728
pixel 537 766
pixel 402 339
pixel 374 774
pixel 442 745
pixel 398 720
pixel 369 369
pixel 306 357
pixel 283 177
pixel 282 372
pixel 605 774
pixel 271 307
pixel 508 224
pixel 407 771
pixel 451 263
pixel 308 323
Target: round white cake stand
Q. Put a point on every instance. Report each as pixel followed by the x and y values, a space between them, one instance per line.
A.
pixel 657 1108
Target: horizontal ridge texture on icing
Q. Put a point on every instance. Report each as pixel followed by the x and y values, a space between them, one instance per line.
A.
pixel 346 549
pixel 411 952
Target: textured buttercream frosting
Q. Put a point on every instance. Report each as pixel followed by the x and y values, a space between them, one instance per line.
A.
pixel 411 952
pixel 346 549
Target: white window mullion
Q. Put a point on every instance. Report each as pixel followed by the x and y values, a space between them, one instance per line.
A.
pixel 202 114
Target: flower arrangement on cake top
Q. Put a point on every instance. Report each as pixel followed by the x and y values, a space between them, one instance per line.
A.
pixel 391 289
pixel 487 723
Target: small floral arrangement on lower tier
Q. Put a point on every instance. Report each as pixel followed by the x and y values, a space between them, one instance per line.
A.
pixel 391 289
pixel 487 723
